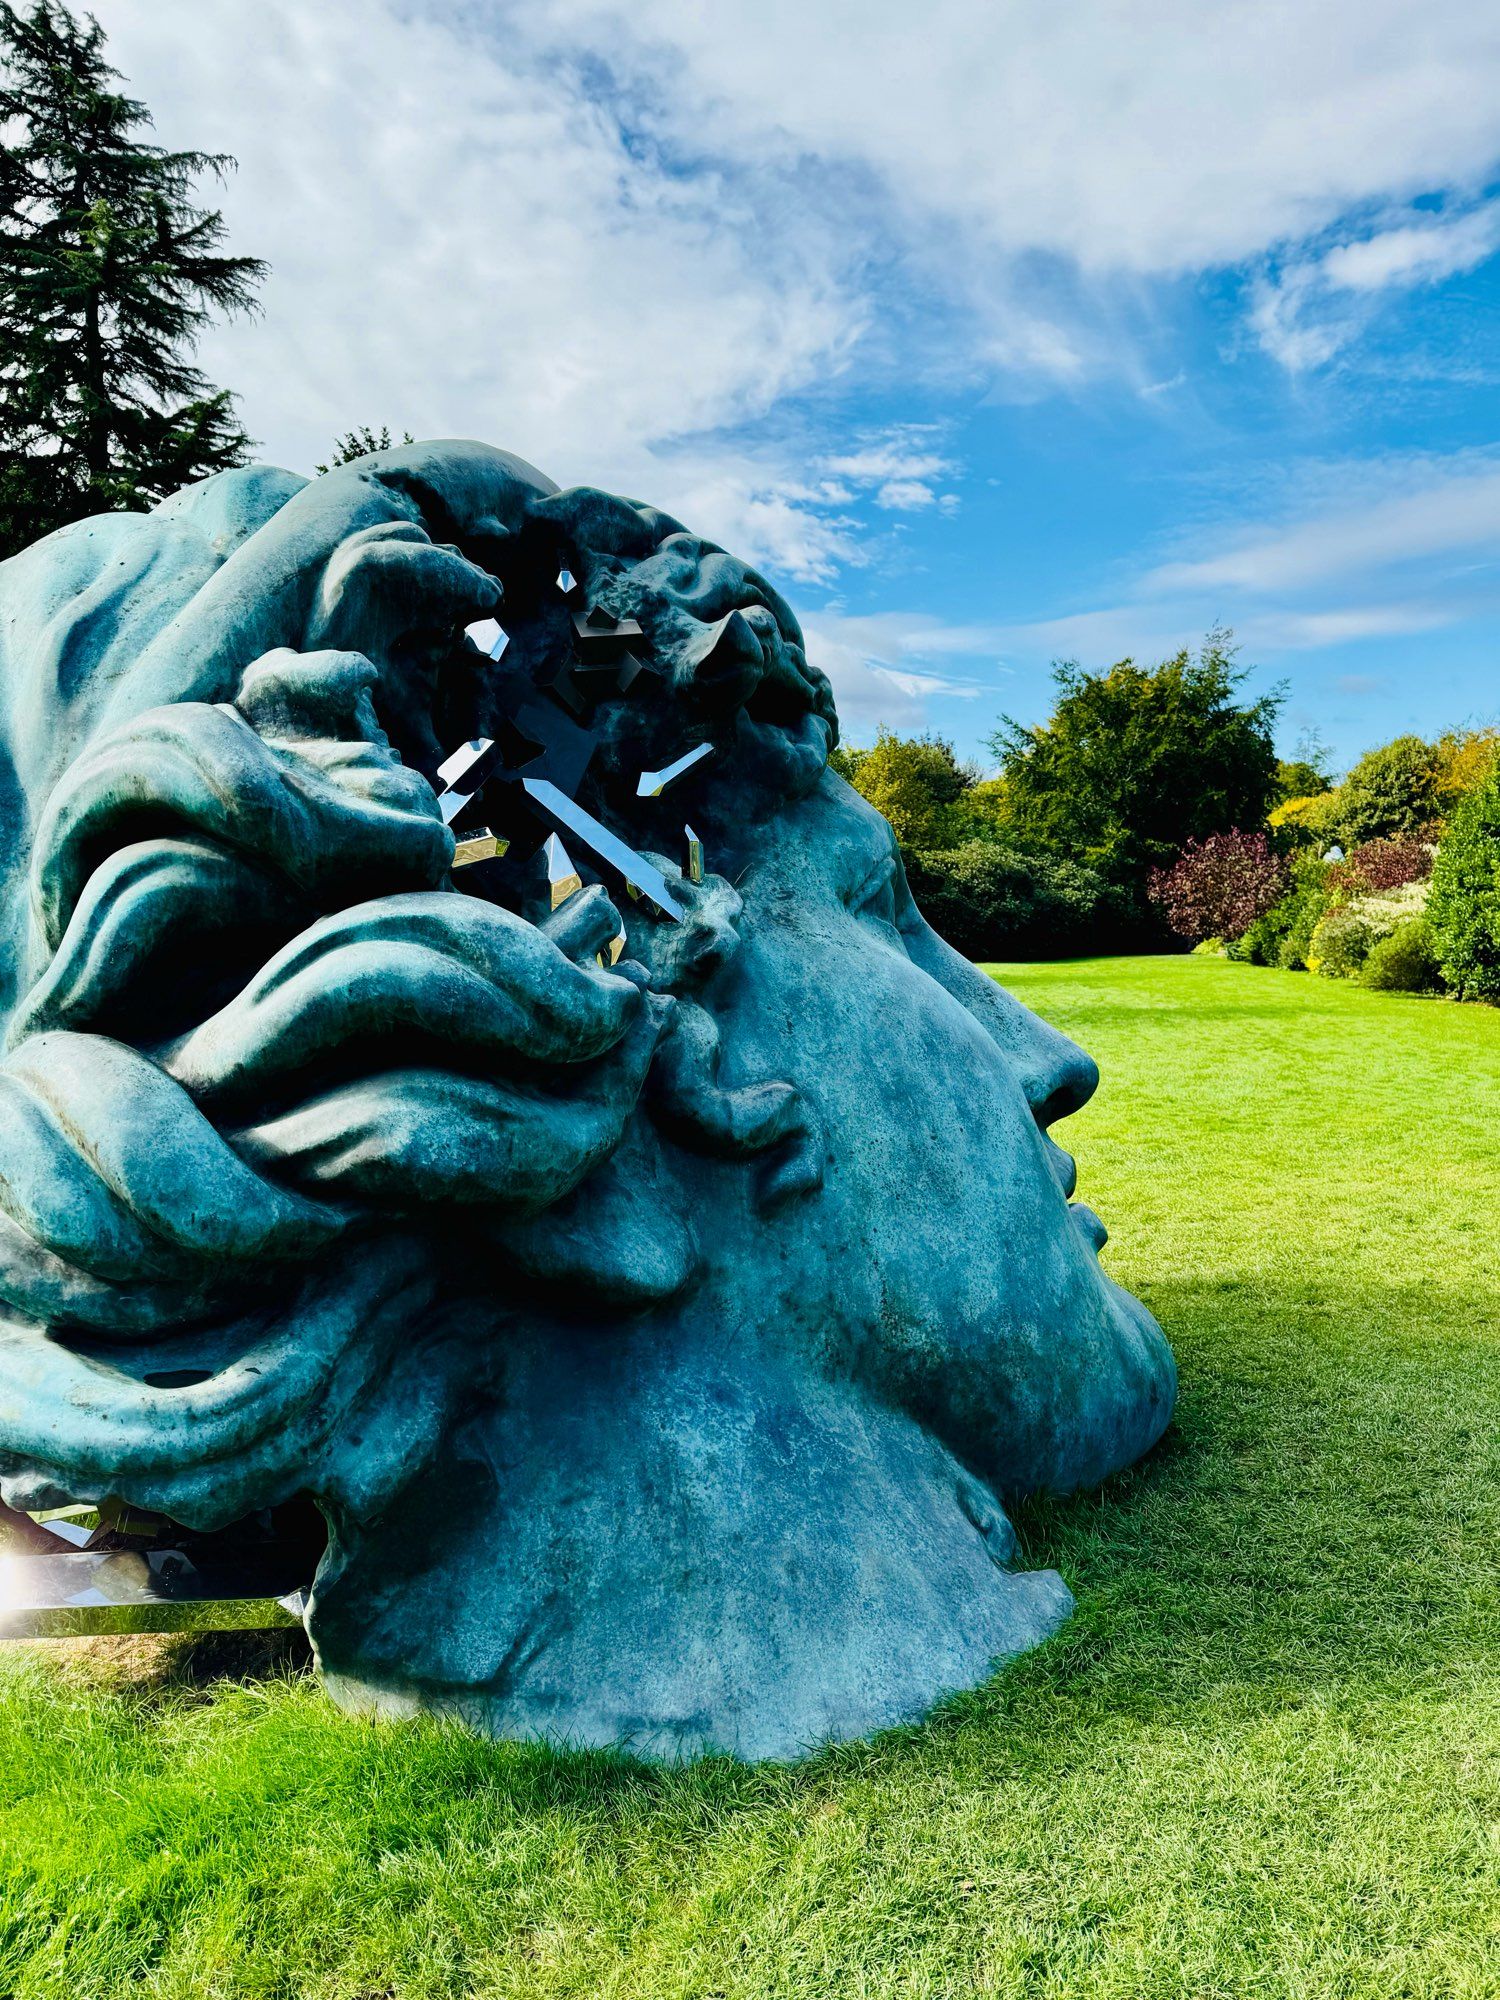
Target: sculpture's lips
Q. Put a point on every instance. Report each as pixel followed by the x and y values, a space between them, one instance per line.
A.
pixel 1064 1166
pixel 1089 1223
pixel 1065 1173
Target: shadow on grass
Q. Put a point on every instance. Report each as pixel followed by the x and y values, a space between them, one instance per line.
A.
pixel 166 1665
pixel 1322 1516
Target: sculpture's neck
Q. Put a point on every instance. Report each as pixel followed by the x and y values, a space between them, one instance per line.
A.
pixel 644 1543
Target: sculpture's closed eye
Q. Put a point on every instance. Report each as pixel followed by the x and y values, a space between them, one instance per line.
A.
pixel 875 901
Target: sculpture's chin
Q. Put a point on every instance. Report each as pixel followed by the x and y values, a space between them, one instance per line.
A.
pixel 801 1564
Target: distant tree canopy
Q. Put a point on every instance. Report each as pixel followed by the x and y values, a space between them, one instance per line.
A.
pixel 916 781
pixel 108 273
pixel 1152 802
pixel 1297 778
pixel 359 444
pixel 1136 761
pixel 1057 850
pixel 1462 761
pixel 1390 794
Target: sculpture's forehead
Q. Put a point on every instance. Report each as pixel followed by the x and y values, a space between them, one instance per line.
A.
pixel 832 843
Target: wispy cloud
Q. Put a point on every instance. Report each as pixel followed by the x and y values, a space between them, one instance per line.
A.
pixel 1453 512
pixel 1418 553
pixel 463 241
pixel 888 666
pixel 1342 625
pixel 1140 140
pixel 902 468
pixel 588 226
pixel 1415 253
pixel 1313 307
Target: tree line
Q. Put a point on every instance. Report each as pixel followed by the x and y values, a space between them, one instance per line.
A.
pixel 1151 809
pixel 1056 852
pixel 110 269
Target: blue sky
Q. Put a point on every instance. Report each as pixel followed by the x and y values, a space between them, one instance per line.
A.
pixel 996 333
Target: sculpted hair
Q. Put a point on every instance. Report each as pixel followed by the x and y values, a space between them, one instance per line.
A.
pixel 266 1061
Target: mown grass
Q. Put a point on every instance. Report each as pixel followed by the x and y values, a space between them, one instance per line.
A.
pixel 1263 1759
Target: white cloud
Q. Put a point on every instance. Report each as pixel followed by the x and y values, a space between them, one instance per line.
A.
pixel 1291 332
pixel 905 496
pixel 1453 511
pixel 1145 138
pixel 900 466
pixel 887 666
pixel 759 507
pixel 1413 547
pixel 1307 631
pixel 898 456
pixel 462 242
pixel 1313 308
pixel 1104 635
pixel 1415 254
pixel 599 230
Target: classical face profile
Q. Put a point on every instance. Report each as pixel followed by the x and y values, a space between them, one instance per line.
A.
pixel 470 1061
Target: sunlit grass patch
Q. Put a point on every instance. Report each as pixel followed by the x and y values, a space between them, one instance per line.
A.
pixel 1262 1760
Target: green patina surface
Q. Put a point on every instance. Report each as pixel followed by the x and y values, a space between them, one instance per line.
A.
pixel 1263 1758
pixel 663 1295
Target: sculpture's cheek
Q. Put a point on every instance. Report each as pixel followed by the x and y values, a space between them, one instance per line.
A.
pixel 940 1262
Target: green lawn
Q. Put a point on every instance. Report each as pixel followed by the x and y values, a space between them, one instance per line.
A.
pixel 1263 1759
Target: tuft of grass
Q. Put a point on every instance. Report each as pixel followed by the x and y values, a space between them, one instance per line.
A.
pixel 1262 1760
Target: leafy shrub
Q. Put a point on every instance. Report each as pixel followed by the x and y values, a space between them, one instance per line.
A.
pixel 1395 906
pixel 916 781
pixel 1217 887
pixel 1301 778
pixel 1310 819
pixel 1341 942
pixel 1349 930
pixel 1385 864
pixel 1404 962
pixel 1391 794
pixel 1463 760
pixel 1282 935
pixel 990 901
pixel 1307 907
pixel 1464 907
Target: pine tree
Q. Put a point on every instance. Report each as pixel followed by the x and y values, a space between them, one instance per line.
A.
pixel 108 272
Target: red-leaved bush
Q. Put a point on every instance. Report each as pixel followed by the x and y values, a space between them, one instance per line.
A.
pixel 1382 865
pixel 1217 887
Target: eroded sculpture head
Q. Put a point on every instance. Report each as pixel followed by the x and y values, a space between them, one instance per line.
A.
pixel 660 1338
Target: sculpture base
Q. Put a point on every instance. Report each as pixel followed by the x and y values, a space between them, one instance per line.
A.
pixel 1029 1608
pixel 681 1560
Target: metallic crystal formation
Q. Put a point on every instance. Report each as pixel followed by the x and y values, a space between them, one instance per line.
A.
pixel 84 1571
pixel 479 844
pixel 652 784
pixel 633 869
pixel 563 879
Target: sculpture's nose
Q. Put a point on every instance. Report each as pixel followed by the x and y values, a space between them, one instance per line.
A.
pixel 1061 1080
pixel 1056 1075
